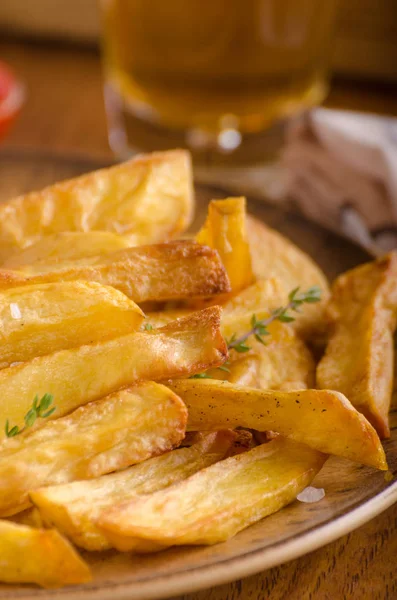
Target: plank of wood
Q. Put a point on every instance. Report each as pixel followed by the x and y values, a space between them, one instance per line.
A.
pixel 64 109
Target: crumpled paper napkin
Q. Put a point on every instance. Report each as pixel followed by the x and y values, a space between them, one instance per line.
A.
pixel 342 172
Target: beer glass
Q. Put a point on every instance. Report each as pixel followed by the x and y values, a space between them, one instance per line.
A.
pixel 215 76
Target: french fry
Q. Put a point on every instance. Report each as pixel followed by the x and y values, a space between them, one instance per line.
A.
pixel 283 363
pixel 73 508
pixel 85 313
pixel 244 441
pixel 163 317
pixel 65 247
pixel 359 356
pixel 120 430
pixel 217 502
pixel 263 295
pixel 322 419
pixel 30 517
pixel 148 199
pixel 41 556
pixel 273 255
pixel 225 230
pixel 181 269
pixel 241 370
pixel 81 375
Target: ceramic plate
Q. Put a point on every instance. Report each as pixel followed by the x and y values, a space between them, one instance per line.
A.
pixel 354 494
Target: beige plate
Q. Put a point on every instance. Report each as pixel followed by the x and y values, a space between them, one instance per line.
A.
pixel 354 494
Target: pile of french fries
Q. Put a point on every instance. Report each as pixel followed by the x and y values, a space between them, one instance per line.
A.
pixel 132 416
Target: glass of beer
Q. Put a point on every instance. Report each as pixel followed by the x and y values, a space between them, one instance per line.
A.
pixel 215 76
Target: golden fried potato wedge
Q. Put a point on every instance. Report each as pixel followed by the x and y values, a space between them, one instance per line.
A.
pixel 80 375
pixel 283 363
pixel 160 272
pixel 73 508
pixel 163 317
pixel 263 295
pixel 225 230
pixel 30 517
pixel 273 255
pixel 120 430
pixel 217 502
pixel 261 298
pixel 244 441
pixel 148 199
pixel 322 419
pixel 40 319
pixel 240 370
pixel 42 556
pixel 66 247
pixel 359 356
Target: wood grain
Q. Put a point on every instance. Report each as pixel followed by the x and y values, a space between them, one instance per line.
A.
pixel 64 112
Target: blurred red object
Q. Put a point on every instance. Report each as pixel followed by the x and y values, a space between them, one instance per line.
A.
pixel 12 95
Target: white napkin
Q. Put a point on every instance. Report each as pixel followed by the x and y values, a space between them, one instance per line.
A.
pixel 342 172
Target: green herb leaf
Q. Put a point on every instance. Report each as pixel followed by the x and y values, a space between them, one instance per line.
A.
pixel 200 376
pixel 293 293
pixel 286 319
pixel 260 339
pixel 35 401
pixel 48 413
pixel 30 417
pixel 312 299
pixel 11 432
pixel 148 327
pixel 37 410
pixel 241 347
pixel 45 403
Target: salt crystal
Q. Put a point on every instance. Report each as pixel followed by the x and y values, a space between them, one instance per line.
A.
pixel 311 494
pixel 15 311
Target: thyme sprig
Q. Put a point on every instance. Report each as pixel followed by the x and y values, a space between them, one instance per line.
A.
pixel 40 409
pixel 259 328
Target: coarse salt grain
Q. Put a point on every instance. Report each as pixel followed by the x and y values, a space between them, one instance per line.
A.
pixel 15 311
pixel 311 494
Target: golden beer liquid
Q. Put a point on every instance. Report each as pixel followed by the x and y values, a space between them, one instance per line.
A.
pixel 216 64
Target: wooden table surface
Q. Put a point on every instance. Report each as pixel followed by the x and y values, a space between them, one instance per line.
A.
pixel 64 113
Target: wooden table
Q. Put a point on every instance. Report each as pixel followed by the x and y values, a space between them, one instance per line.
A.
pixel 64 112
